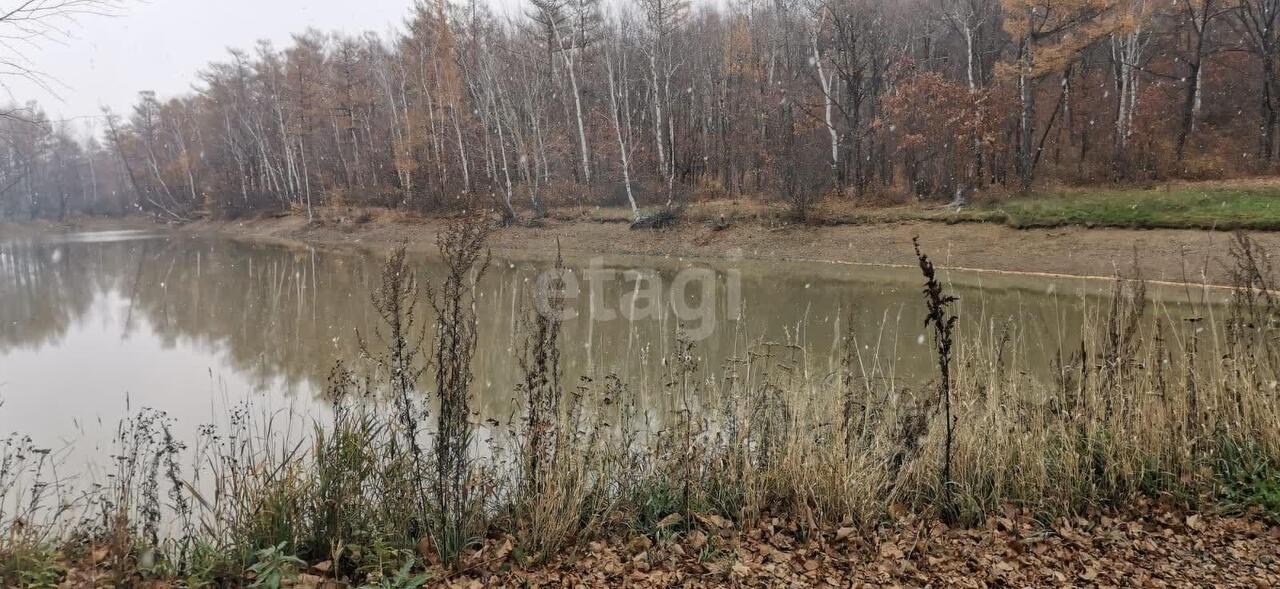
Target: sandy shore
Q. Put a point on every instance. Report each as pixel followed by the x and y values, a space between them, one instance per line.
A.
pixel 1160 254
pixel 1164 254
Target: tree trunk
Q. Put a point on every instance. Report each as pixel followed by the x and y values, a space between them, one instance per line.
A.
pixel 622 146
pixel 1190 105
pixel 1026 121
pixel 1268 108
pixel 828 103
pixel 577 105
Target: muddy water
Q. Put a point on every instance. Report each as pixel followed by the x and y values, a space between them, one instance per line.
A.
pixel 94 326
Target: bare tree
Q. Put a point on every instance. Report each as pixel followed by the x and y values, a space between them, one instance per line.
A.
pixel 1197 18
pixel 28 23
pixel 1259 21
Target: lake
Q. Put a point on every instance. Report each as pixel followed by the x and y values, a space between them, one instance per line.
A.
pixel 94 326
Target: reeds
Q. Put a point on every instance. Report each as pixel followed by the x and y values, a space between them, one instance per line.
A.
pixel 1143 404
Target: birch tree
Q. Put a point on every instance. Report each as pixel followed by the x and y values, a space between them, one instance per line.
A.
pixel 1259 21
pixel 617 100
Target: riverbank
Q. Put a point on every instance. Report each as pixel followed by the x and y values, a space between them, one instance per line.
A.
pixel 1171 255
pixel 17 230
pixel 1172 233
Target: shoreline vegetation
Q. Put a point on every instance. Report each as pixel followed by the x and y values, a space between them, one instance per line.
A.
pixel 1078 233
pixel 1157 442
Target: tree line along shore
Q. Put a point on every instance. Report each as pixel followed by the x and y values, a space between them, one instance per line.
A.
pixel 657 103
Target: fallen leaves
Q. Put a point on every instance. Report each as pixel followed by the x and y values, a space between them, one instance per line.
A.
pixel 1157 549
pixel 713 521
pixel 891 551
pixel 1195 522
pixel 670 521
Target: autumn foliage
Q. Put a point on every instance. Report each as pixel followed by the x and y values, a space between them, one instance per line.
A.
pixel 655 103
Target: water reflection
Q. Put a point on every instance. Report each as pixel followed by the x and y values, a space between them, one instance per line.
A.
pixel 178 323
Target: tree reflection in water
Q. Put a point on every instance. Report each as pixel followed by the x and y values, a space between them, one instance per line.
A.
pixel 183 324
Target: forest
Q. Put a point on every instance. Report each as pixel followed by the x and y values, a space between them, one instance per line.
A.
pixel 655 103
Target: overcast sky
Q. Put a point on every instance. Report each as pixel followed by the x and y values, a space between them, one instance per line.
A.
pixel 162 44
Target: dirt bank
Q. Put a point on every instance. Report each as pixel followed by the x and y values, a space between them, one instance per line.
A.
pixel 29 229
pixel 1160 254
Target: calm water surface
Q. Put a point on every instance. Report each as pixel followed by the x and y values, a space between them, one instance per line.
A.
pixel 94 326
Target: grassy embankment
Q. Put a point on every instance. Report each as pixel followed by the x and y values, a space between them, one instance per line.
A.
pixel 1221 207
pixel 1228 206
pixel 400 483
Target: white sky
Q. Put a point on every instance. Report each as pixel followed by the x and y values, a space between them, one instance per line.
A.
pixel 161 45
